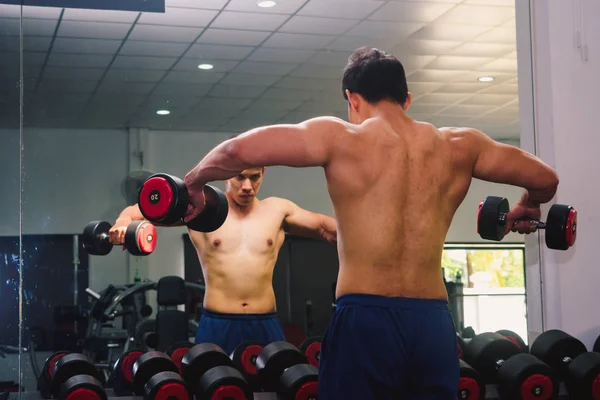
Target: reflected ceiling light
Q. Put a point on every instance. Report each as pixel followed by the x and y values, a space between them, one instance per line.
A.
pixel 485 78
pixel 163 112
pixel 205 66
pixel 266 3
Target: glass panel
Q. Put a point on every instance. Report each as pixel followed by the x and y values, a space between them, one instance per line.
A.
pixel 10 73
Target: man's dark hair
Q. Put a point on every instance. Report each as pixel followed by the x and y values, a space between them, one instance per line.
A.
pixel 375 75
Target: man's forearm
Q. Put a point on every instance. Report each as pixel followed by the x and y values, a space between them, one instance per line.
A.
pixel 220 164
pixel 535 197
pixel 131 213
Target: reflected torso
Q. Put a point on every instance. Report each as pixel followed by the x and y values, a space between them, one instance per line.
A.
pixel 238 259
pixel 395 186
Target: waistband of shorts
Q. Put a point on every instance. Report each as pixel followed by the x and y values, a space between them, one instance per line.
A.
pixel 215 314
pixel 372 300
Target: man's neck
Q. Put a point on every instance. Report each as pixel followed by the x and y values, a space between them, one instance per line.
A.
pixel 386 110
pixel 241 209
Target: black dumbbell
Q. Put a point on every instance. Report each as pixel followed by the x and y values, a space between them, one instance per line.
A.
pixel 578 368
pixel 209 372
pixel 560 225
pixel 499 360
pixel 282 368
pixel 140 238
pixel 471 386
pixel 155 376
pixel 311 348
pixel 71 374
pixel 121 376
pixel 177 351
pixel 164 199
pixel 244 359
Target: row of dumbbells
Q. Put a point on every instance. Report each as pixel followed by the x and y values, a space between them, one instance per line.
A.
pixel 519 372
pixel 188 370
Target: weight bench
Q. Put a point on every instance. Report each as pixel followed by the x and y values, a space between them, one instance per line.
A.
pixel 171 324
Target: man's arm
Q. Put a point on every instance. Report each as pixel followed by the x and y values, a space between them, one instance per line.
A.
pixel 502 163
pixel 133 213
pixel 307 144
pixel 301 222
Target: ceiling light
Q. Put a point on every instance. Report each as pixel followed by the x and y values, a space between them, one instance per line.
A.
pixel 163 112
pixel 266 3
pixel 485 78
pixel 205 66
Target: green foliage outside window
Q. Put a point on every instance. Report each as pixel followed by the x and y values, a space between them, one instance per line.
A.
pixel 503 267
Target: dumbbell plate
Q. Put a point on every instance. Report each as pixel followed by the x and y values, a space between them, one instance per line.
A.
pixel 515 338
pixel 299 382
pixel 166 385
pixel 178 351
pixel 244 358
pixel 82 387
pixel 561 227
pixel 200 359
pixel 461 346
pixel 163 198
pixel 92 239
pixel 525 376
pixel 485 350
pixel 554 346
pixel 274 359
pixel 148 365
pixel 311 348
pixel 583 377
pixel 214 213
pixel 489 225
pixel 71 365
pixel 140 238
pixel 471 387
pixel 223 382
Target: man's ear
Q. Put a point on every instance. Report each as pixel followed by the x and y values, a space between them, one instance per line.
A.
pixel 353 100
pixel 408 102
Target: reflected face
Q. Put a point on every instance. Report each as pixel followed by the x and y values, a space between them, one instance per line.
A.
pixel 244 187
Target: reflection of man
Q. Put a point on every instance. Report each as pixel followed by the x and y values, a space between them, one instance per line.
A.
pixel 395 184
pixel 238 260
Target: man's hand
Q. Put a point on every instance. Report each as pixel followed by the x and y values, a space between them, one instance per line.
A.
pixel 329 235
pixel 116 234
pixel 522 210
pixel 197 201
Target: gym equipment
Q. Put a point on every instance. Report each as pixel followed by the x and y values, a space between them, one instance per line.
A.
pixel 462 345
pixel 178 351
pixel 140 238
pixel 155 376
pixel 71 374
pixel 121 377
pixel 560 225
pixel 208 370
pixel 515 338
pixel 498 360
pixel 578 368
pixel 471 387
pixel 171 323
pixel 244 359
pixel 311 348
pixel 164 199
pixel 282 368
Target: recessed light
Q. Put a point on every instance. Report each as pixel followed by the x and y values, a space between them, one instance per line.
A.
pixel 205 66
pixel 485 78
pixel 266 3
pixel 163 112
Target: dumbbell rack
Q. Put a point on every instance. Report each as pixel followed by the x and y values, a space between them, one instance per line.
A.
pixel 491 392
pixel 111 396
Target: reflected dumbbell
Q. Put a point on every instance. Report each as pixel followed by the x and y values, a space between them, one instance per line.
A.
pixel 140 238
pixel 71 375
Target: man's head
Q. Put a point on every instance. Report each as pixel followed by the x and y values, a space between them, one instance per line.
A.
pixel 244 187
pixel 371 77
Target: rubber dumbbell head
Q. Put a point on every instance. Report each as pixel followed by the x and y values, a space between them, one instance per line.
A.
pixel 311 348
pixel 525 376
pixel 166 385
pixel 47 372
pixel 178 351
pixel 215 211
pixel 515 338
pixel 223 382
pixel 148 365
pixel 121 379
pixel 487 351
pixel 95 238
pixel 69 366
pixel 299 382
pixel 199 359
pixel 140 238
pixel 82 387
pixel 471 386
pixel 275 358
pixel 244 359
pixel 490 218
pixel 561 227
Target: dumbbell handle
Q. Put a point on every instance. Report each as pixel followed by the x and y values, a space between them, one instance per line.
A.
pixel 534 222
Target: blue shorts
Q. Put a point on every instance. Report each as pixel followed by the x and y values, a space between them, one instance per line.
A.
pixel 229 330
pixel 389 348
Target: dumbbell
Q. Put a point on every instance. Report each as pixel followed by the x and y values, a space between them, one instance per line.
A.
pixel 121 376
pixel 515 338
pixel 155 376
pixel 560 225
pixel 140 238
pixel 244 359
pixel 282 368
pixel 517 375
pixel 71 375
pixel 210 374
pixel 578 368
pixel 311 348
pixel 471 386
pixel 164 199
pixel 177 351
pixel 462 345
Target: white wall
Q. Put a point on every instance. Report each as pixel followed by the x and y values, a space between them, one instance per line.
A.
pixel 74 176
pixel 566 98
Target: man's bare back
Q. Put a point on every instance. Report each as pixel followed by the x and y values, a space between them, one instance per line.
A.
pixel 417 176
pixel 239 258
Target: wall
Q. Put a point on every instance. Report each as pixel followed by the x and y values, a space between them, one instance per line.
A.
pixel 565 99
pixel 73 177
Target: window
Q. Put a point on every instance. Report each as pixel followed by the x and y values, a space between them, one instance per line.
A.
pixel 492 281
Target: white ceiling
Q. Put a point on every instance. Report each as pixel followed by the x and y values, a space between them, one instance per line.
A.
pixel 114 69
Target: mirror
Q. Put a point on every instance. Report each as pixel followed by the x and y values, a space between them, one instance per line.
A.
pixel 10 158
pixel 113 96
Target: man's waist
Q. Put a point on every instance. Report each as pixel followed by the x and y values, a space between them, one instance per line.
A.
pixel 238 316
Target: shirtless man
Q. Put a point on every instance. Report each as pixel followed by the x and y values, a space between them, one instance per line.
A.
pixel 395 184
pixel 238 260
